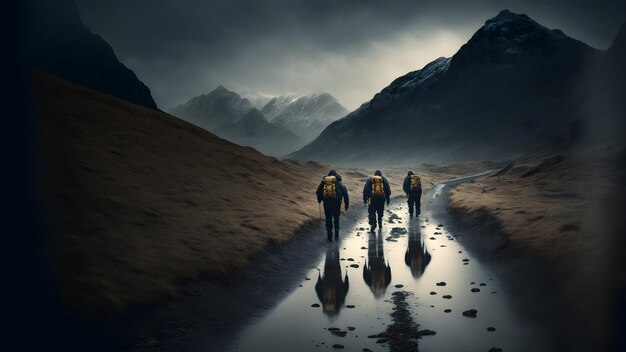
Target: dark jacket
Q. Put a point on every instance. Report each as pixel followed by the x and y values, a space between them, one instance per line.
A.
pixel 406 187
pixel 342 192
pixel 367 189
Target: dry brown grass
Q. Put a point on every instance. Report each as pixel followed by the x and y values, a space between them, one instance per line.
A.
pixel 560 214
pixel 141 200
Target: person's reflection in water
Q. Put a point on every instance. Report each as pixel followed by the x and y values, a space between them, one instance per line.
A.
pixel 376 271
pixel 331 289
pixel 417 256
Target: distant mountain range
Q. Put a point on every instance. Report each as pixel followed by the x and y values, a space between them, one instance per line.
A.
pixel 60 44
pixel 307 115
pixel 513 86
pixel 284 123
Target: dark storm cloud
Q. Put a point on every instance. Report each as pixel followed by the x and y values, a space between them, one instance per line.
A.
pixel 347 47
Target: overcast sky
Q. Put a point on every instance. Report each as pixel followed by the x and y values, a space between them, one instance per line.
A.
pixel 349 48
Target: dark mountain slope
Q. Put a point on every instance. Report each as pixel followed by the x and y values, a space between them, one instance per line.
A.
pixel 60 44
pixel 511 87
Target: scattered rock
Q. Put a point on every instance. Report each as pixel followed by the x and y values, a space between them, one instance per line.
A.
pixel 338 346
pixel 350 306
pixel 333 329
pixel 367 350
pixel 383 340
pixel 432 293
pixel 447 296
pixel 398 231
pixel 363 247
pixel 465 263
pixel 315 305
pixel 466 260
pixel 447 310
pixel 426 332
pixel 482 284
pixel 440 225
pixel 437 233
pixel 441 283
pixel 399 286
pixel 491 328
pixel 350 259
pixel 432 238
pixel 339 333
pixel 470 313
pixel 472 283
pixel 306 279
pixel 460 251
pixel 495 349
pixel 475 289
pixel 351 328
pixel 354 265
pixel 393 217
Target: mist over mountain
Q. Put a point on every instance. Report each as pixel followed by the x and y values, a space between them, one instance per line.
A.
pixel 257 99
pixel 283 125
pixel 513 86
pixel 60 44
pixel 234 118
pixel 305 115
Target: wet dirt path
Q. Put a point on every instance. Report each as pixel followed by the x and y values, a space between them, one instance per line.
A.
pixel 412 270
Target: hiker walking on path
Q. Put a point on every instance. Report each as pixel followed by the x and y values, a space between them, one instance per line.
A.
pixel 376 191
pixel 332 191
pixel 413 188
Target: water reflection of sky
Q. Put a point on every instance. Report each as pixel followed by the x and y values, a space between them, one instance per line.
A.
pixel 354 281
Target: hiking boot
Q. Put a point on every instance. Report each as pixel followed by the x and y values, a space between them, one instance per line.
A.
pixel 336 234
pixel 373 228
pixel 410 214
pixel 380 222
pixel 330 237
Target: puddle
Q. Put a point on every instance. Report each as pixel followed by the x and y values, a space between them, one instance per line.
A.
pixel 348 295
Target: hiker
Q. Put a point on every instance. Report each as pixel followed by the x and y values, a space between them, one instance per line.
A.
pixel 413 188
pixel 376 191
pixel 332 191
pixel 376 271
pixel 332 289
pixel 417 257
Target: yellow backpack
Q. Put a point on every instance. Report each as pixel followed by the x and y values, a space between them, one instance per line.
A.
pixel 330 190
pixel 378 190
pixel 415 182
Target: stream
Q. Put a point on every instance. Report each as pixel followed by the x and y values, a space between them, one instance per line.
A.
pixel 345 301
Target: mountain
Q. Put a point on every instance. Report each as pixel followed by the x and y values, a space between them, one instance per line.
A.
pixel 513 86
pixel 305 115
pixel 213 110
pixel 60 44
pixel 234 118
pixel 257 99
pixel 254 130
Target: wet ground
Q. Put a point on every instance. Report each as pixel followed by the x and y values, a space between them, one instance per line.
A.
pixel 410 285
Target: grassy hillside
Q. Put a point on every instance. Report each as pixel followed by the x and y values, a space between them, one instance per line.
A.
pixel 563 210
pixel 140 200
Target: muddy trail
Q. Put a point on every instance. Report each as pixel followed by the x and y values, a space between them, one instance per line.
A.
pixel 408 286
